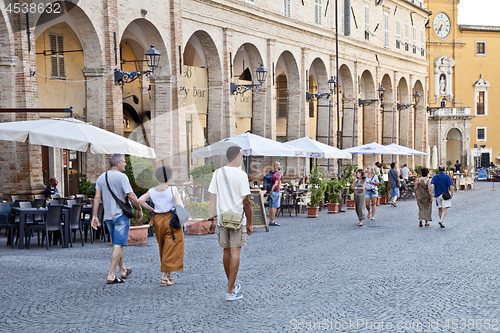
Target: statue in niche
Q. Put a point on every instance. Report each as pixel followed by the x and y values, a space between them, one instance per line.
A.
pixel 442 85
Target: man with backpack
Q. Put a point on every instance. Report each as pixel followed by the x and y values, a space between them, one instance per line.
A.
pixel 272 184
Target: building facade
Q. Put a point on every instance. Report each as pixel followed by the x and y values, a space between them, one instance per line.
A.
pixel 68 59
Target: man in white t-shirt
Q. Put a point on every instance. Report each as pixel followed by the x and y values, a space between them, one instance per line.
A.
pixel 230 192
pixel 118 224
pixel 405 173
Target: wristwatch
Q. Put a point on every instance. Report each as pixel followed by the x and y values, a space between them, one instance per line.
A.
pixel 211 219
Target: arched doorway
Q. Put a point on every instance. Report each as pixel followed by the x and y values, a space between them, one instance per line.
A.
pixel 454 140
pixel 404 109
pixel 348 108
pixel 420 123
pixel 318 108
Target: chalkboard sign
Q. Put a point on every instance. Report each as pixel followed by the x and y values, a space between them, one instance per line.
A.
pixel 259 219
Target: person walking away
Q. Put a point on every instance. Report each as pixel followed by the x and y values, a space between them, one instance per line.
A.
pixel 359 188
pixel 423 191
pixel 405 172
pixel 372 182
pixel 275 197
pixel 170 241
pixel 229 191
pixel 394 183
pixel 458 167
pixel 442 183
pixel 52 188
pixel 118 224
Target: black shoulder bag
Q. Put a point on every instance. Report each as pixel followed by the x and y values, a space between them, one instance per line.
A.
pixel 446 195
pixel 125 206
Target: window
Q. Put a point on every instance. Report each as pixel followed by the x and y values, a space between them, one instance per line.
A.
pixel 250 1
pixel 367 23
pixel 57 56
pixel 481 96
pixel 386 30
pixel 422 46
pixel 414 40
pixel 347 17
pixel 317 12
pixel 407 38
pixel 287 8
pixel 398 35
pixel 480 103
pixel 342 21
pixel 480 48
pixel 481 134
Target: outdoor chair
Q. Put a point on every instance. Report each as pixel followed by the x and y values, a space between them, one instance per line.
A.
pixel 303 201
pixel 462 186
pixel 60 200
pixel 70 202
pixel 38 203
pixel 79 195
pixel 75 220
pixel 86 222
pixel 23 204
pixel 469 183
pixel 39 196
pixel 52 223
pixel 287 202
pixel 79 200
pixel 7 222
pixel 13 198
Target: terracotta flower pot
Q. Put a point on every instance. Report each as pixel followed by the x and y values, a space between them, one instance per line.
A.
pixel 197 227
pixel 350 204
pixel 383 200
pixel 312 211
pixel 333 207
pixel 138 234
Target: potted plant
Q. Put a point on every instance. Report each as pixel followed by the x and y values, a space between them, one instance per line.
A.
pixel 348 175
pixel 202 175
pixel 138 232
pixel 85 186
pixel 382 192
pixel 316 186
pixel 334 190
pixel 198 223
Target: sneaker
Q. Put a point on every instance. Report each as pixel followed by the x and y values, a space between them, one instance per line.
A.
pixel 233 297
pixel 441 224
pixel 393 204
pixel 237 288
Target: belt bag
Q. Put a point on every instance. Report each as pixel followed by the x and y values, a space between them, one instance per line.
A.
pixel 231 220
pixel 228 219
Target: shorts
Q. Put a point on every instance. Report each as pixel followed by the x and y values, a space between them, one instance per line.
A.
pixel 232 238
pixel 275 200
pixel 394 192
pixel 371 193
pixel 118 229
pixel 443 203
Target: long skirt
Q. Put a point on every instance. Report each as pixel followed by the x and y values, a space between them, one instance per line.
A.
pixel 171 252
pixel 359 201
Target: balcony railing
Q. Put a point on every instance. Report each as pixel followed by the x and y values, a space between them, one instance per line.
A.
pixel 450 112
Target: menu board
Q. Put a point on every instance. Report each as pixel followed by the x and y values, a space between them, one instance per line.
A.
pixel 259 219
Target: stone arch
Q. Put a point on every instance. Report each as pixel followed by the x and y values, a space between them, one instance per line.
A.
pixel 7 63
pixel 454 145
pixel 247 59
pixel 318 109
pixel 367 91
pixel 348 106
pixel 287 65
pixel 420 123
pixel 404 109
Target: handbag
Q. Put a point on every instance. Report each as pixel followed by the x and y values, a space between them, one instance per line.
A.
pixel 179 216
pixel 125 206
pixel 446 195
pixel 228 219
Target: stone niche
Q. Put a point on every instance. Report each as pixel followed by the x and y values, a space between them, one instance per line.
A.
pixel 443 71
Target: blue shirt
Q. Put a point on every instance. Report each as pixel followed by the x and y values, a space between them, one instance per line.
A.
pixel 50 192
pixel 445 181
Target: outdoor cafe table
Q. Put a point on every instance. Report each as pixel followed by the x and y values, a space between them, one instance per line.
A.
pixel 22 212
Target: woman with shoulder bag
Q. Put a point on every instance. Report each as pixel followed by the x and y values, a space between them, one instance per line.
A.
pixel 359 186
pixel 423 191
pixel 170 240
pixel 371 192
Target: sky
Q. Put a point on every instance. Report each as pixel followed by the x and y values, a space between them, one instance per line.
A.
pixel 479 12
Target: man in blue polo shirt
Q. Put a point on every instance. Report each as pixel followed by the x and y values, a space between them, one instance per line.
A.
pixel 441 183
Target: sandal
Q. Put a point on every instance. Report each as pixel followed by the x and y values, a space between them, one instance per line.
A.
pixel 360 224
pixel 166 282
pixel 116 280
pixel 420 224
pixel 274 224
pixel 368 216
pixel 426 223
pixel 127 273
pixel 170 277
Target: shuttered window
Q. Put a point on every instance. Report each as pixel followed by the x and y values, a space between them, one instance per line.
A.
pixel 57 56
pixel 407 37
pixel 317 12
pixel 367 23
pixel 422 46
pixel 415 40
pixel 398 35
pixel 386 30
pixel 287 8
pixel 347 17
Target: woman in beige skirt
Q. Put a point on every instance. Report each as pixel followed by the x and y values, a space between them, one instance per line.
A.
pixel 170 241
pixel 424 198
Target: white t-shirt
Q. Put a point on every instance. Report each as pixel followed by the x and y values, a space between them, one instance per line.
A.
pixel 164 201
pixel 120 186
pixel 405 171
pixel 238 182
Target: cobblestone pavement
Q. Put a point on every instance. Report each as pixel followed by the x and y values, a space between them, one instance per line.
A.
pixel 326 272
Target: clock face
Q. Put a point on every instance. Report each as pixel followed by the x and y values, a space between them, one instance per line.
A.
pixel 442 25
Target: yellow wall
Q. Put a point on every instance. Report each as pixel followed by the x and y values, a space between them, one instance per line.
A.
pixel 57 93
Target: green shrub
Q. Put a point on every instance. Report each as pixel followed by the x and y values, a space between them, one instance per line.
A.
pixel 141 174
pixel 198 210
pixel 316 186
pixel 85 186
pixel 334 190
pixel 203 174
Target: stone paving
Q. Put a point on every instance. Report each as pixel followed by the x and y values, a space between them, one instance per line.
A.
pixel 324 274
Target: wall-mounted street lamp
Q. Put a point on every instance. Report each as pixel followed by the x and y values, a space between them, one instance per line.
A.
pixel 261 74
pixel 153 59
pixel 406 106
pixel 366 102
pixel 332 86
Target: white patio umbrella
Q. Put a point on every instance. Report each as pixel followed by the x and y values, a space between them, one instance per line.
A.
pixel 374 149
pixel 318 149
pixel 428 157
pixel 406 149
pixel 434 157
pixel 251 145
pixel 69 133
